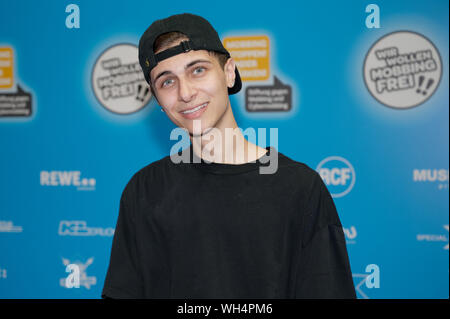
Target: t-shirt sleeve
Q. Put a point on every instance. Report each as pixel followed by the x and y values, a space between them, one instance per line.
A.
pixel 324 268
pixel 123 279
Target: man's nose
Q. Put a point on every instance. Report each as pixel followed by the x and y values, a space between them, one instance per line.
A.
pixel 187 90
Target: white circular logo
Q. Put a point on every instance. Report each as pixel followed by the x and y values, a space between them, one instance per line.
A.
pixel 118 81
pixel 402 69
pixel 338 174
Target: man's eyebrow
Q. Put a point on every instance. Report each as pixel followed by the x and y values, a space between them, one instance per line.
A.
pixel 186 67
pixel 195 62
pixel 160 75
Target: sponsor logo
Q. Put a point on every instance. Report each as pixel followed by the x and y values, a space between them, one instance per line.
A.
pixel 251 54
pixel 273 97
pixel 370 279
pixel 402 69
pixel 439 176
pixel 350 234
pixel 7 226
pixel 79 228
pixel 434 237
pixel 13 102
pixel 67 179
pixel 338 174
pixel 118 81
pixel 78 276
pixel 430 175
pixel 252 57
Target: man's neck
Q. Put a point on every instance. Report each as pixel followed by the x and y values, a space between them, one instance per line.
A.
pixel 226 144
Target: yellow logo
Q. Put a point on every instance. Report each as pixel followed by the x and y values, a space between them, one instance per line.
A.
pixel 6 68
pixel 251 55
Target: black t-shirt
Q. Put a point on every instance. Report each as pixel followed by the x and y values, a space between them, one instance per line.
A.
pixel 211 230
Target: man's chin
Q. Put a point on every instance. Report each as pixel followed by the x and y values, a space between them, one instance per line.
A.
pixel 197 128
pixel 199 133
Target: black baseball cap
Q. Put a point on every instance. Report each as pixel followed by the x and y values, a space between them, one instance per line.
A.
pixel 201 35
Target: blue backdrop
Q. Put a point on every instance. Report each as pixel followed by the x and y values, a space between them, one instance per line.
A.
pixel 375 129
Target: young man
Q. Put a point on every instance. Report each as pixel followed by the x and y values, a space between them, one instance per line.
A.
pixel 215 226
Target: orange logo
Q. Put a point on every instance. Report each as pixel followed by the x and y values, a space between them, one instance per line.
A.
pixel 251 55
pixel 6 68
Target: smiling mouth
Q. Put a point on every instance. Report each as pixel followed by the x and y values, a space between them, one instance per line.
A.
pixel 195 109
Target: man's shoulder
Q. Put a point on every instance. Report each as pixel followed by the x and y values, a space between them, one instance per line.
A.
pixel 149 174
pixel 297 168
pixel 153 167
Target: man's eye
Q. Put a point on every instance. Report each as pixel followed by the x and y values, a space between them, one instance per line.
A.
pixel 167 82
pixel 199 70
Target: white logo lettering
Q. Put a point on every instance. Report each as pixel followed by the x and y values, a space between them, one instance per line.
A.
pixel 338 174
pixel 7 226
pixel 350 233
pixel 67 178
pixel 430 175
pixel 79 228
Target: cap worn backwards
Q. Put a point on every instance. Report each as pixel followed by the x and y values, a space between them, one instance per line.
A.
pixel 201 35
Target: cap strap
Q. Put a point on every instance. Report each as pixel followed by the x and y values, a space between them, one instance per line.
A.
pixel 184 46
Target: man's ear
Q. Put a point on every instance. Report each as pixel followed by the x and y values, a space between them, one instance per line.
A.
pixel 230 73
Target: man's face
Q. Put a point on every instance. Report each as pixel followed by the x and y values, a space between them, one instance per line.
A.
pixel 195 82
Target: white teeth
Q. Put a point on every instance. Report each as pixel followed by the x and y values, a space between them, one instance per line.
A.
pixel 195 109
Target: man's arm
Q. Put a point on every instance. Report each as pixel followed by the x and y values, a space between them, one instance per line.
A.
pixel 123 279
pixel 324 267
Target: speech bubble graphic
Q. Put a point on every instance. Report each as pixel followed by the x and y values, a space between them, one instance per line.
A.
pixel 402 69
pixel 269 98
pixel 118 81
pixel 15 104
